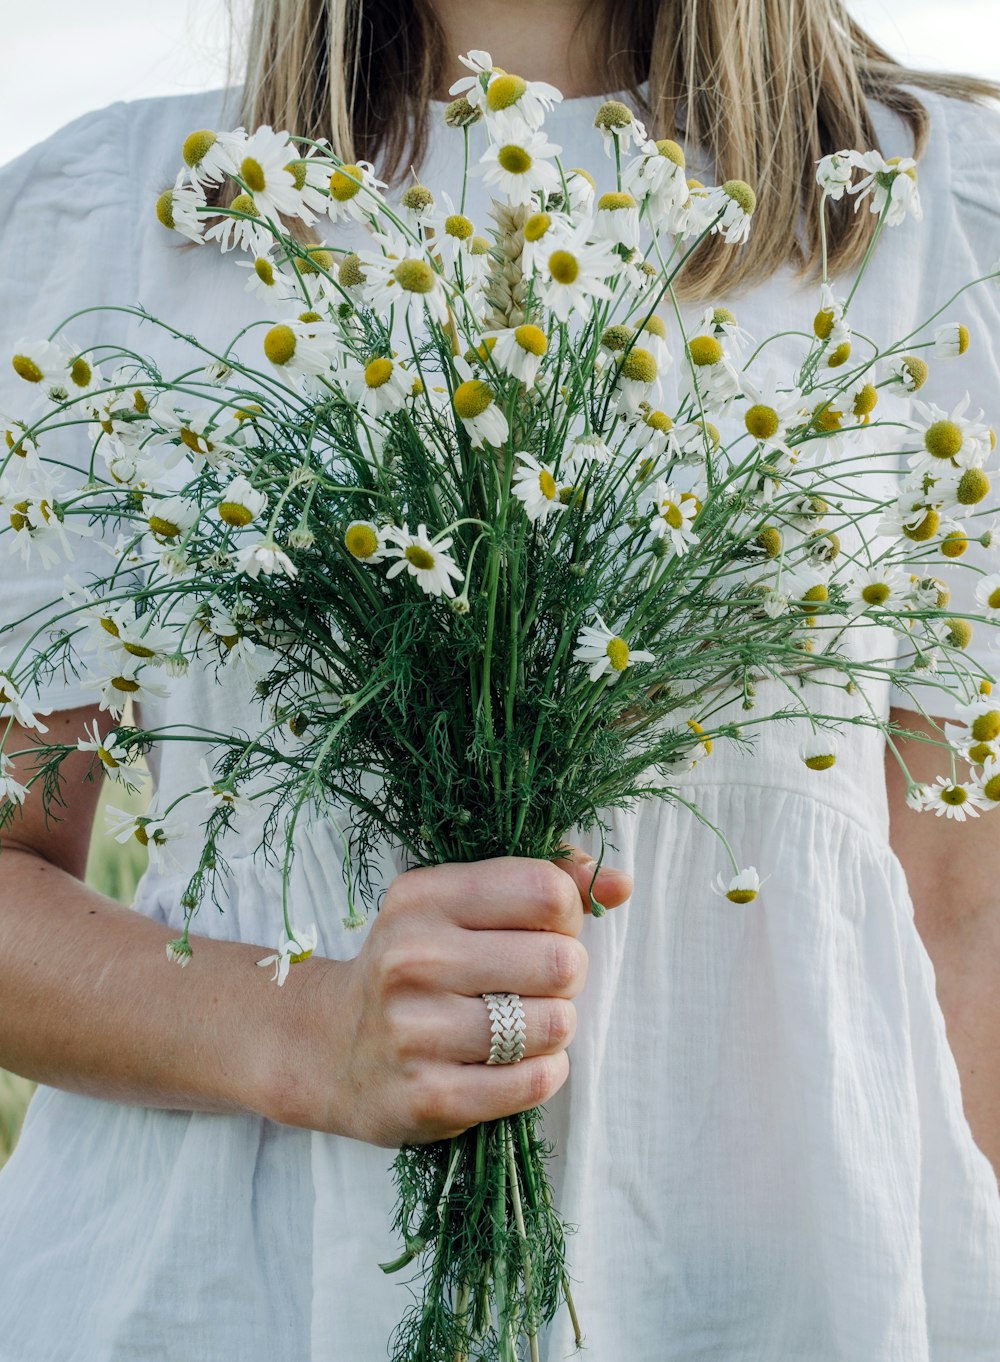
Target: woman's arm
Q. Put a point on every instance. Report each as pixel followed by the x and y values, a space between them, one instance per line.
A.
pixel 953 871
pixel 387 1048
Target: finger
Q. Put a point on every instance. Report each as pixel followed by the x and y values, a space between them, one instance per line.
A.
pixel 504 892
pixel 547 965
pixel 456 1097
pixel 460 1032
pixel 611 886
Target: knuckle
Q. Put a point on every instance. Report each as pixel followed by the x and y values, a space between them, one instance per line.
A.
pixel 407 965
pixel 554 896
pixel 560 1024
pixel 546 1077
pixel 566 967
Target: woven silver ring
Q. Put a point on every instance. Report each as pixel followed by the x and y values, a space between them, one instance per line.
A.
pixel 508 1027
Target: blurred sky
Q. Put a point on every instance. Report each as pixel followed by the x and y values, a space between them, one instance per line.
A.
pixel 63 59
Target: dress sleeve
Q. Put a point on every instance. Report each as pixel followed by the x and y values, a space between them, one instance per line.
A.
pixel 67 241
pixel 960 190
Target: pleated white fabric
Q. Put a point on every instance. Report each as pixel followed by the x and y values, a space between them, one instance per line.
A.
pixel 762 1139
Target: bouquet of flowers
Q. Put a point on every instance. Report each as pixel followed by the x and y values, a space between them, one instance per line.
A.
pixel 490 581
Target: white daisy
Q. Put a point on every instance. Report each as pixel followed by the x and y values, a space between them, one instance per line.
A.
pixel 112 757
pixel 619 127
pixel 355 193
pixel 658 175
pixel 519 350
pixel 673 513
pixel 520 162
pixel 366 541
pixel 12 706
pixel 240 503
pixel 955 799
pixel 480 63
pixel 302 347
pixel 41 362
pixel 892 182
pixel 10 787
pixel 722 324
pixel 379 387
pixel 240 225
pixel 835 172
pixel 475 405
pixel 736 202
pixel 262 165
pixel 948 439
pixel 400 276
pixel 881 587
pixel 508 96
pixel 819 751
pixel 426 560
pixel 265 557
pixel 169 517
pixel 206 158
pixel 291 951
pixel 951 340
pixel 266 279
pixel 771 412
pixel 178 210
pixel 536 487
pixel 743 887
pixel 608 653
pixel 575 270
pixel 617 220
pixel 988 595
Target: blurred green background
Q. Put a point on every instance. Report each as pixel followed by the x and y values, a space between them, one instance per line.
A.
pixel 114 870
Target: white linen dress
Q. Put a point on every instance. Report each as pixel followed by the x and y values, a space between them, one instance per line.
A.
pixel 762 1139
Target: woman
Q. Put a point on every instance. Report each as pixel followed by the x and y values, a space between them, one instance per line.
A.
pixel 762 1137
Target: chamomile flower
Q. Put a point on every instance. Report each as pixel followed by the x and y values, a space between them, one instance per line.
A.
pixel 199 433
pixel 743 887
pixel 291 951
pixel 960 489
pixel 167 518
pixel 990 787
pixel 654 434
pixel 771 412
pixel 266 279
pixel 207 160
pixel 355 192
pixel 218 794
pixel 891 182
pixel 240 504
pixel 267 558
pixel 608 653
pixel 33 516
pixel 617 219
pixel 13 706
pixel 151 830
pixel 112 756
pixel 519 350
pixel 510 97
pixel 988 595
pixel 909 371
pixel 819 751
pixel 379 386
pixel 619 127
pixel 475 405
pixel 302 347
pixel 178 209
pixel 658 175
pixel 480 63
pixel 708 373
pixel 736 202
pixel 951 340
pixel 240 225
pixel 400 276
pixel 129 682
pixel 536 488
pixel 948 439
pixel 366 541
pixel 835 172
pixel 673 513
pixel 958 799
pixel 11 788
pixel 574 271
pixel 637 381
pixel 453 231
pixel 262 167
pixel 582 191
pixel 881 587
pixel 520 162
pixel 427 561
pixel 40 362
pixel 722 324
pixel 698 211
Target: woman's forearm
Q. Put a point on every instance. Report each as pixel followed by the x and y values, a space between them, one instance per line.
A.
pixel 88 1001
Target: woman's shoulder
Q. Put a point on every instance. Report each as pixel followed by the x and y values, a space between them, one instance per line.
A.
pixel 963 146
pixel 122 140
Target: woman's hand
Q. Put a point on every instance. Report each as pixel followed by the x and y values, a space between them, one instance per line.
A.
pixel 396 1040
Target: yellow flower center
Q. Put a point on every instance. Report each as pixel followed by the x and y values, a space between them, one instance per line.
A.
pixel 418 198
pixel 125 684
pixel 840 355
pixel 876 593
pixel 345 182
pixel 197 145
pixel 992 789
pixel 993 599
pixel 139 650
pixel 658 420
pixel 109 626
pixel 378 372
pixel 243 203
pixel 252 174
pixel 531 339
pixel 414 276
pixel 616 337
pixel 235 513
pixel 279 344
pixel 108 760
pixel 314 259
pixel 963 338
pixel 613 114
pixel 959 633
pixel 986 727
pixel 823 323
pixel 264 270
pixel 472 398
pixel 639 366
pixel 865 400
pixel 762 422
pixel 954 795
pixel 953 545
pixel 80 372
pixel 163 528
pixel 943 439
pixel 741 895
pixel 672 514
pixel 514 159
pixel 564 267
pixel 814 595
pixel 823 762
pixel 536 226
pixel 917 370
pixel 671 151
pixel 980 752
pixel 617 651
pixel 27 369
pixel 459 226
pixel 769 540
pixel 741 193
pixel 704 350
pixel 973 486
pixel 504 91
pixel 615 202
pixel 297 170
pixel 656 326
pixel 547 485
pixel 361 541
pixel 925 528
pixel 420 558
pixel 165 209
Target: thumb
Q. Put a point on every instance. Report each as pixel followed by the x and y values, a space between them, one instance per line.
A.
pixel 610 888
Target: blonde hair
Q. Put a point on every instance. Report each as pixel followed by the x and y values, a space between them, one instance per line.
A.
pixel 761 88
